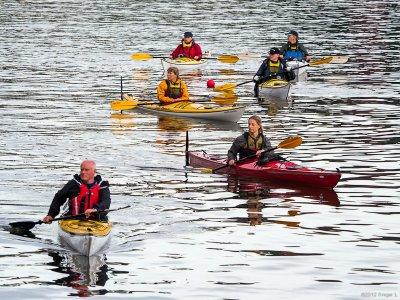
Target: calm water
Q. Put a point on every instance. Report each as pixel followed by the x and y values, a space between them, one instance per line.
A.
pixel 188 233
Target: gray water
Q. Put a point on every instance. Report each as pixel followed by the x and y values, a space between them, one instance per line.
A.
pixel 190 233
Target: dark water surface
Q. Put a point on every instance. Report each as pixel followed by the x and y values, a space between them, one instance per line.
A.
pixel 190 233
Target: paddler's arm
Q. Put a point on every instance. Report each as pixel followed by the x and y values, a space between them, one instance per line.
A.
pixel 185 92
pixel 198 51
pixel 104 199
pixel 59 199
pixel 176 52
pixel 307 56
pixel 234 150
pixel 162 87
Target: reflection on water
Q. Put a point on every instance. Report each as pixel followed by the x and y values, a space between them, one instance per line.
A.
pixel 122 122
pixel 173 124
pixel 257 194
pixel 81 272
pixel 273 106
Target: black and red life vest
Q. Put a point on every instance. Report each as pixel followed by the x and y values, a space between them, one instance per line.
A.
pixel 87 198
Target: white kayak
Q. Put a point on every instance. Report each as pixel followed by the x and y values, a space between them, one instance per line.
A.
pixel 300 69
pixel 274 89
pixel 87 237
pixel 185 65
pixel 188 109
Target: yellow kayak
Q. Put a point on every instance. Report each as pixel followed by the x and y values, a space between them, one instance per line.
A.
pixel 275 88
pixel 195 110
pixel 87 237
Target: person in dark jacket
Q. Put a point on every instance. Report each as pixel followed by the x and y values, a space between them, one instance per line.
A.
pixel 253 142
pixel 188 48
pixel 293 50
pixel 272 68
pixel 86 193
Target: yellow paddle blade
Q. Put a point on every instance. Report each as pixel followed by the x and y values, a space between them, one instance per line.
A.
pixel 206 170
pixel 321 61
pixel 339 59
pixel 224 87
pixel 230 59
pixel 123 104
pixel 225 98
pixel 290 142
pixel 141 56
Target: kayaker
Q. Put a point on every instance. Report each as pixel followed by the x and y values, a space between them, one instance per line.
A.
pixel 249 143
pixel 272 68
pixel 173 89
pixel 187 48
pixel 293 50
pixel 86 193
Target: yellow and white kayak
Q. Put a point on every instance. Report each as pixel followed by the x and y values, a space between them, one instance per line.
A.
pixel 196 110
pixel 87 237
pixel 184 64
pixel 275 89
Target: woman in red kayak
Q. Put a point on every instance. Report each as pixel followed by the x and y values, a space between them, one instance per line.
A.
pixel 250 143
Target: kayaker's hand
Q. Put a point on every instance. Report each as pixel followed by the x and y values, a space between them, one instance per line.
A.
pixel 196 57
pixel 308 58
pixel 47 219
pixel 89 211
pixel 231 162
pixel 259 152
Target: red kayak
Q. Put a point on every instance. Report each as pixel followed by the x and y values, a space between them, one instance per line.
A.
pixel 285 172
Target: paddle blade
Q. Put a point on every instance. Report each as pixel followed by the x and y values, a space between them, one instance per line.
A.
pixel 230 59
pixel 141 56
pixel 225 87
pixel 340 59
pixel 225 98
pixel 27 225
pixel 321 61
pixel 290 142
pixel 123 104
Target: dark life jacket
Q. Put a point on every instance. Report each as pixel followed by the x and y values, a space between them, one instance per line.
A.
pixel 173 91
pixel 252 145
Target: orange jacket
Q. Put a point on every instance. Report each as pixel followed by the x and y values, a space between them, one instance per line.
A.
pixel 162 92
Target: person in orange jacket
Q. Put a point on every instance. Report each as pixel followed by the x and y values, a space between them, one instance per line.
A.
pixel 173 89
pixel 188 48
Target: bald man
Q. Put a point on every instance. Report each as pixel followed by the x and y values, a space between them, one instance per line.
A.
pixel 86 193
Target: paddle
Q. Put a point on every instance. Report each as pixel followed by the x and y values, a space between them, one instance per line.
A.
pixel 288 143
pixel 229 86
pixel 28 225
pixel 316 62
pixel 225 58
pixel 339 59
pixel 131 103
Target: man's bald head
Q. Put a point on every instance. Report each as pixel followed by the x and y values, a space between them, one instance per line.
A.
pixel 88 171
